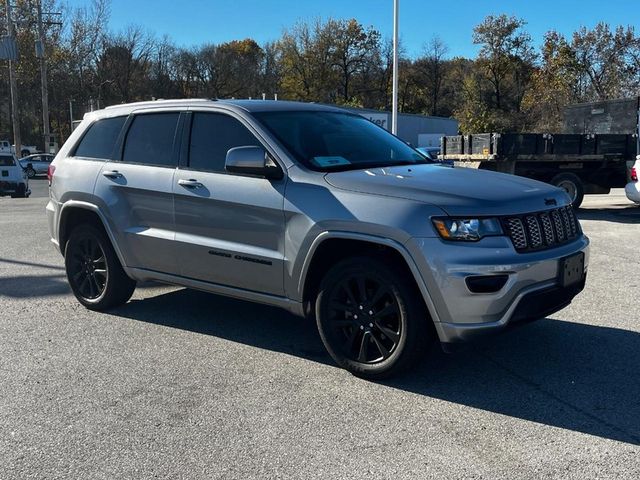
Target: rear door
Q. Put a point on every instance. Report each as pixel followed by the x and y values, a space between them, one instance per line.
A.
pixel 229 228
pixel 136 189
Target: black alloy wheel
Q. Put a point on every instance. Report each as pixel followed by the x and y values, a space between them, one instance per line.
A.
pixel 371 317
pixel 94 272
pixel 365 317
pixel 88 269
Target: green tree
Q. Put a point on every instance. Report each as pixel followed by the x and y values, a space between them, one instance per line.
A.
pixel 506 55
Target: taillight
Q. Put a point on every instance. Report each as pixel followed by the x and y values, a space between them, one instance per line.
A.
pixel 50 171
pixel 634 174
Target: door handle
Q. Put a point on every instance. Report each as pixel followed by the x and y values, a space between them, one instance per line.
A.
pixel 112 174
pixel 191 183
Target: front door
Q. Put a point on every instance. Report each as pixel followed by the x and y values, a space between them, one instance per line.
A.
pixel 229 228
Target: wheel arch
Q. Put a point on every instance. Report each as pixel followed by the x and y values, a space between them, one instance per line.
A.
pixel 74 213
pixel 322 254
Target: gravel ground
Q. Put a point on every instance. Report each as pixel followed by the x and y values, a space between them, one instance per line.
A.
pixel 182 384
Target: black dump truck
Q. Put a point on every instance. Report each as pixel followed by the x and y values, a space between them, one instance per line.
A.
pixel 592 155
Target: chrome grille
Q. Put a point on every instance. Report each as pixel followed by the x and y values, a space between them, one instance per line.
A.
pixel 542 230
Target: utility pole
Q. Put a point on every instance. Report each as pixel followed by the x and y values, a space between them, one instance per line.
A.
pixel 14 88
pixel 41 52
pixel 394 93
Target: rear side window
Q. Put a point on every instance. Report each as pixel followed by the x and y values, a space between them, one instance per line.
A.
pixel 212 135
pixel 150 139
pixel 100 139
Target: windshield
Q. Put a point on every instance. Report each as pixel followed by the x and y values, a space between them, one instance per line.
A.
pixel 330 141
pixel 6 161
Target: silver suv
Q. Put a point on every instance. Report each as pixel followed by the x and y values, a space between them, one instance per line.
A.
pixel 315 210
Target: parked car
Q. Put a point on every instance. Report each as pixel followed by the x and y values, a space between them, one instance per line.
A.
pixel 315 210
pixel 632 189
pixel 13 179
pixel 37 164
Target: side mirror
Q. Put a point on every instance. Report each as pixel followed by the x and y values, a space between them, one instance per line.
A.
pixel 252 160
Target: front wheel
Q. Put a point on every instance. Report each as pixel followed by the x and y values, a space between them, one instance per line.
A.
pixel 371 318
pixel 93 270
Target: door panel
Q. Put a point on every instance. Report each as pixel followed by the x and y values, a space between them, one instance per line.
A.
pixel 230 230
pixel 139 202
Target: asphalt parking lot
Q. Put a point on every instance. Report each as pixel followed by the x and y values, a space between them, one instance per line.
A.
pixel 183 384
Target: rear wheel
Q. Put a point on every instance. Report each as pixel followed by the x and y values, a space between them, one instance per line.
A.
pixel 371 318
pixel 571 184
pixel 30 172
pixel 93 270
pixel 21 191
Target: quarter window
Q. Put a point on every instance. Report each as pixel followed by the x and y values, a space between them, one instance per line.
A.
pixel 100 139
pixel 150 139
pixel 212 135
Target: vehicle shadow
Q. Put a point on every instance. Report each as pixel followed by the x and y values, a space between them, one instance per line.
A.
pixel 25 286
pixel 236 320
pixel 627 214
pixel 568 375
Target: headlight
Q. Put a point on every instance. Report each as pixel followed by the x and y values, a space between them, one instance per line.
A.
pixel 467 229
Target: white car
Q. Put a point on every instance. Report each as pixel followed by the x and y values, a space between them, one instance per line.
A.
pixel 633 187
pixel 13 178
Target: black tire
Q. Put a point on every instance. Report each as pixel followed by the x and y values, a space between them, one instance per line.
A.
pixel 21 192
pixel 571 184
pixel 30 172
pixel 25 153
pixel 93 270
pixel 350 320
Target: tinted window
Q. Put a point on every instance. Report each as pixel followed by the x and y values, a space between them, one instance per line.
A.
pixel 337 141
pixel 150 139
pixel 100 139
pixel 212 135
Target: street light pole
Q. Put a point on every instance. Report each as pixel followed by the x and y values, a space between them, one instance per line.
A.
pixel 394 94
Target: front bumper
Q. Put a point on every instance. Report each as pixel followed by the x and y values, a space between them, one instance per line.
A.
pixel 532 289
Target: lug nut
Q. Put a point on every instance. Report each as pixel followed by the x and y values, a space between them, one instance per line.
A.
pixel 361 327
pixel 371 325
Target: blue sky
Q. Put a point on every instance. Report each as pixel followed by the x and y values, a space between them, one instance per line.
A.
pixel 192 22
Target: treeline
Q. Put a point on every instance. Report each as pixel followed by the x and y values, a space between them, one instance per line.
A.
pixel 510 85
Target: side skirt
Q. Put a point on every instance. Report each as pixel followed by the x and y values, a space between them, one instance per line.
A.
pixel 275 301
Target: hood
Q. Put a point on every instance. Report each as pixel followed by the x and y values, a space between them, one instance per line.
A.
pixel 458 191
